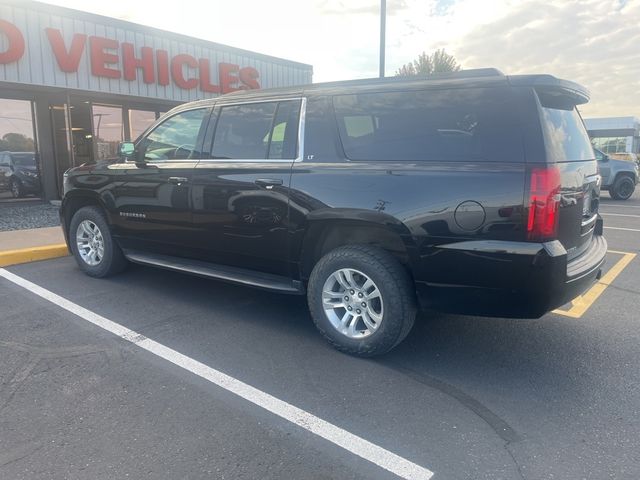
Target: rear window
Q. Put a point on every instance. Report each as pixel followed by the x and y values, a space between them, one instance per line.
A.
pixel 566 139
pixel 475 124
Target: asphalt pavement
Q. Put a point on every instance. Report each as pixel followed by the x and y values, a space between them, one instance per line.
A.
pixel 464 397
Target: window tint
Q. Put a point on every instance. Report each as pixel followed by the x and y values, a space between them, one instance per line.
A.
pixel 175 138
pixel 566 138
pixel 599 155
pixel 284 134
pixel 454 125
pixel 359 125
pixel 257 131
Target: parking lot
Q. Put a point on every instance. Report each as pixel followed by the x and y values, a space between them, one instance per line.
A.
pixel 462 398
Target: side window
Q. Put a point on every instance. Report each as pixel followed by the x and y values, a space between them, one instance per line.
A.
pixel 257 131
pixel 175 138
pixel 599 155
pixel 359 125
pixel 477 124
pixel 284 134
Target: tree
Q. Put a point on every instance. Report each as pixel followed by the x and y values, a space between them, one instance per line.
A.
pixel 438 62
pixel 16 142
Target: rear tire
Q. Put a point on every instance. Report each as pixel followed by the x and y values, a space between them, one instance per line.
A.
pixel 622 188
pixel 377 290
pixel 92 245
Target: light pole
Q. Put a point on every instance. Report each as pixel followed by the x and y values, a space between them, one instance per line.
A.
pixel 383 21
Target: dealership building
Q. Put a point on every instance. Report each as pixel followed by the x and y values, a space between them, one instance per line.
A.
pixel 74 84
pixel 615 134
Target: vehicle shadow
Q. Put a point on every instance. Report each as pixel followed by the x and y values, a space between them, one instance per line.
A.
pixel 531 362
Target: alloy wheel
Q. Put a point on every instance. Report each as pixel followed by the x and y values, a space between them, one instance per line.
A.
pixel 352 303
pixel 90 243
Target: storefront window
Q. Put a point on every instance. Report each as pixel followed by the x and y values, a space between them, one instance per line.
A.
pixel 108 130
pixel 139 120
pixel 610 144
pixel 19 172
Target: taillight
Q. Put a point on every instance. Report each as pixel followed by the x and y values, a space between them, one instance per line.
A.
pixel 544 200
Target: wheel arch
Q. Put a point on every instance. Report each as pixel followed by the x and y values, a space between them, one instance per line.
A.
pixel 74 201
pixel 631 175
pixel 332 228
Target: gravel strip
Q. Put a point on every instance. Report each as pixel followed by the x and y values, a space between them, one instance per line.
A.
pixel 18 217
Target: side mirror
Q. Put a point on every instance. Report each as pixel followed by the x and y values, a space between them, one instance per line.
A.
pixel 127 150
pixel 605 158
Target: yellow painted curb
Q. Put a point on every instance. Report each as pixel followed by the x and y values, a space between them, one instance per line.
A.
pixel 25 255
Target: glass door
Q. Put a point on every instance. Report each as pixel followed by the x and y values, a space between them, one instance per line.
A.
pixel 19 161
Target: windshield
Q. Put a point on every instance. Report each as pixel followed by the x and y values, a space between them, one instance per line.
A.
pixel 23 159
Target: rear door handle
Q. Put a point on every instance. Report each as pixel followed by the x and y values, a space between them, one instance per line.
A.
pixel 268 183
pixel 178 180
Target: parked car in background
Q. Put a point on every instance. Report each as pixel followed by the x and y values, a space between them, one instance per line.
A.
pixel 472 192
pixel 620 173
pixel 19 173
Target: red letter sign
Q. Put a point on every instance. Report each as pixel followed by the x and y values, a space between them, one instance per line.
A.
pixel 99 57
pixel 162 59
pixel 131 63
pixel 228 77
pixel 177 63
pixel 68 61
pixel 16 43
pixel 205 77
pixel 249 76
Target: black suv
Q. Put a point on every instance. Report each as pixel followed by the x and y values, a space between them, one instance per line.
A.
pixel 472 192
pixel 19 173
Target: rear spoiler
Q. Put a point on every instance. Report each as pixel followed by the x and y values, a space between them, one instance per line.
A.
pixel 552 86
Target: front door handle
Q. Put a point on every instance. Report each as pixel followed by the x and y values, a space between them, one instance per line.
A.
pixel 268 183
pixel 178 180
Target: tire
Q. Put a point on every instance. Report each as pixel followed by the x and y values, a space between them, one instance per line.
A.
pixel 395 308
pixel 17 190
pixel 109 260
pixel 622 188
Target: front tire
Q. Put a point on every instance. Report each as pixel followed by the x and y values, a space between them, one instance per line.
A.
pixel 92 245
pixel 622 188
pixel 362 300
pixel 17 190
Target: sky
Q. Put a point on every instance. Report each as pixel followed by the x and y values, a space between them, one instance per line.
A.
pixel 593 42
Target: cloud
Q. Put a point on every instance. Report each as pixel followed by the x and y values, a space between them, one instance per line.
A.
pixel 593 42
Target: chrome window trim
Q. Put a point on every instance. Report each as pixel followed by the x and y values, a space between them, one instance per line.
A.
pixel 301 125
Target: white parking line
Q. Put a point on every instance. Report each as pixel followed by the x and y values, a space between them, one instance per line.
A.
pixel 615 205
pixel 619 215
pixel 336 435
pixel 625 229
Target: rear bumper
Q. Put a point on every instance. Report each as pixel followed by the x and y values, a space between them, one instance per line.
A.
pixel 515 280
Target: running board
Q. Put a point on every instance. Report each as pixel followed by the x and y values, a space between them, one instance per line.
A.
pixel 225 273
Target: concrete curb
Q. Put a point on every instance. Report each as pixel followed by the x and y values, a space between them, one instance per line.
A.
pixel 25 255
